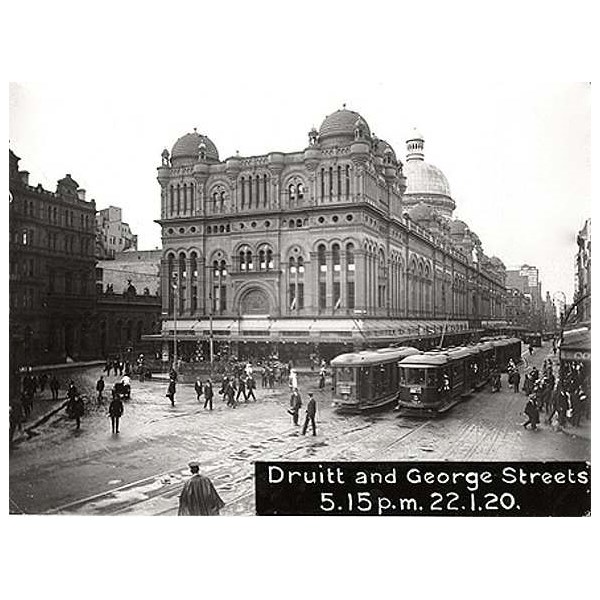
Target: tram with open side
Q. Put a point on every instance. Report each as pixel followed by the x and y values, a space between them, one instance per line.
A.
pixel 368 379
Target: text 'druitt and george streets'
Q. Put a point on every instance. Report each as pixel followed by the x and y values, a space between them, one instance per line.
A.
pixel 515 489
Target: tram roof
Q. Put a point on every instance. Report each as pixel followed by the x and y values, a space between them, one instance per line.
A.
pixel 373 357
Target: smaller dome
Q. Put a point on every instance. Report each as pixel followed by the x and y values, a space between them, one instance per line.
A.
pixel 187 147
pixel 383 148
pixel 458 226
pixel 340 125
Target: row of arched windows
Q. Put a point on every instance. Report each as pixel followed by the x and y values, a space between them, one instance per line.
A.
pixel 181 199
pixel 335 182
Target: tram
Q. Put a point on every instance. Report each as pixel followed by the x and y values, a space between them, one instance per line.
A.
pixel 368 379
pixel 433 382
pixel 506 349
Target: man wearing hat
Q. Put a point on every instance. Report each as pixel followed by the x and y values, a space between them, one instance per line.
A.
pixel 199 496
pixel 311 411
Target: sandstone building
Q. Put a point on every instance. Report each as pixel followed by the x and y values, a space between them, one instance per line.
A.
pixel 334 246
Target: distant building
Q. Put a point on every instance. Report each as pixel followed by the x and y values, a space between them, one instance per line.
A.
pixel 51 256
pixel 129 302
pixel 526 279
pixel 113 235
pixel 583 273
pixel 519 310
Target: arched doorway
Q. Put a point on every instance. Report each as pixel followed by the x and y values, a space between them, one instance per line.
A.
pixel 255 302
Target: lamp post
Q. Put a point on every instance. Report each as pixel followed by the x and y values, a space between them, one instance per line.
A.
pixel 210 332
pixel 175 301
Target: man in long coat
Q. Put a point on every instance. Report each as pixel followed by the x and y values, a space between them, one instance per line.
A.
pixel 199 496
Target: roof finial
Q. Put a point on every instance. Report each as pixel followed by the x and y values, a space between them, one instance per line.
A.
pixel 195 130
pixel 344 106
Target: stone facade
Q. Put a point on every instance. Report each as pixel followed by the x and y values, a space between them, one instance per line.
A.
pixel 315 246
pixel 51 248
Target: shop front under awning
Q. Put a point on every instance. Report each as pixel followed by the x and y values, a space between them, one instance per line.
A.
pixel 576 345
pixel 323 330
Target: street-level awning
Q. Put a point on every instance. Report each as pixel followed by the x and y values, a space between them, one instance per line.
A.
pixel 576 345
pixel 315 330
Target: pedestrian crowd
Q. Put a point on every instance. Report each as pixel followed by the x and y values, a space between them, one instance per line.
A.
pixel 563 399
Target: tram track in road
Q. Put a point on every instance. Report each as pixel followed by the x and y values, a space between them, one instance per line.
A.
pixel 231 468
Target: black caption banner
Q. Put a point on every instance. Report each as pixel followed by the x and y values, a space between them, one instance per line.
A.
pixel 499 489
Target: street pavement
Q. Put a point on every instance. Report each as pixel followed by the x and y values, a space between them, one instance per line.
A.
pixel 141 470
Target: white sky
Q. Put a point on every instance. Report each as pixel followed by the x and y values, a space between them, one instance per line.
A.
pixel 516 153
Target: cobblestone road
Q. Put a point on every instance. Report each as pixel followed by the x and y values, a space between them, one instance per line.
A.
pixel 141 470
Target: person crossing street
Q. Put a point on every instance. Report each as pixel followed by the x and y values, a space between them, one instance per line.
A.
pixel 311 411
pixel 115 412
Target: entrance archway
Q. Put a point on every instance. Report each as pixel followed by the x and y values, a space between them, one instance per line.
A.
pixel 255 302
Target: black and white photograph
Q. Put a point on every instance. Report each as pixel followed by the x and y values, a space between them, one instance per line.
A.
pixel 313 286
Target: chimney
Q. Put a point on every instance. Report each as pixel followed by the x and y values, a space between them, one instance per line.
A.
pixel 24 177
pixel 81 194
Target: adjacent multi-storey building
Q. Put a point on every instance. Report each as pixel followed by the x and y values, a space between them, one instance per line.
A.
pixel 583 273
pixel 335 245
pixel 51 256
pixel 112 234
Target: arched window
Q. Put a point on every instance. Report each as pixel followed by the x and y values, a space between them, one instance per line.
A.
pixel 265 190
pixel 246 263
pixel 350 265
pixel 321 258
pixel 335 254
pixel 381 280
pixel 178 198
pixel 219 286
pixel 347 181
pixel 322 184
pixel 194 281
pixel 185 188
pixel 339 181
pixel 292 191
pixel 265 258
pixel 322 264
pixel 182 282
pixel 243 183
pixel 296 283
pixel 300 190
pixel 191 197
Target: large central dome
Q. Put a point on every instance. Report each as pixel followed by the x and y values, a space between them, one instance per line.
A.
pixel 423 178
pixel 425 182
pixel 338 128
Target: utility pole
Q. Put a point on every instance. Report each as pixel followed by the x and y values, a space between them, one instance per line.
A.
pixel 175 301
pixel 210 332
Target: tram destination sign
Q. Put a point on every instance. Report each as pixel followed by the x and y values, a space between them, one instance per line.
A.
pixel 499 489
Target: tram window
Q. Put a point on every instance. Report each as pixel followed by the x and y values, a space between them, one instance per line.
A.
pixel 402 376
pixel 415 376
pixel 432 379
pixel 344 374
